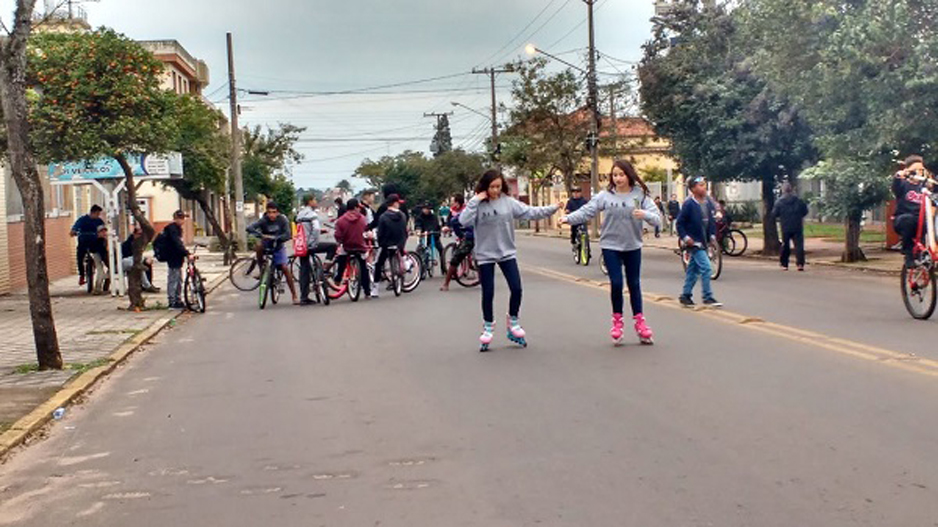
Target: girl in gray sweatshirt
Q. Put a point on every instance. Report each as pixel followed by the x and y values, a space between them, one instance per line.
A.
pixel 626 205
pixel 492 215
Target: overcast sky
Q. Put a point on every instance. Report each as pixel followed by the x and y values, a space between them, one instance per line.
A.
pixel 317 45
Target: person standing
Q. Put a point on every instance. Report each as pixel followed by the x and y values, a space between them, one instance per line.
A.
pixel 127 261
pixel 625 205
pixel 86 229
pixel 674 210
pixel 98 251
pixel 309 219
pixel 176 255
pixel 790 210
pixel 660 207
pixel 696 226
pixel 492 216
pixel 575 203
pixel 445 214
pixel 368 205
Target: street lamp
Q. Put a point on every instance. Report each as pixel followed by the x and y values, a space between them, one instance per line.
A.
pixel 473 110
pixel 533 50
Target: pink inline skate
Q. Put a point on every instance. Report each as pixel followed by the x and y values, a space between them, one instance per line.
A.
pixel 516 332
pixel 645 334
pixel 617 330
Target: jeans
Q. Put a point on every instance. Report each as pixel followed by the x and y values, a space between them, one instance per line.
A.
pixel 127 264
pixel 632 261
pixel 383 255
pixel 906 226
pixel 83 247
pixel 796 237
pixel 699 266
pixel 174 286
pixel 306 275
pixel 487 279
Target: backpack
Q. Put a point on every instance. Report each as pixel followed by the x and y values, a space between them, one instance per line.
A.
pixel 159 246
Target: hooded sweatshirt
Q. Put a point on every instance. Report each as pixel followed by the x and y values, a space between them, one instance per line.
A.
pixel 350 231
pixel 392 229
pixel 620 231
pixel 309 218
pixel 494 225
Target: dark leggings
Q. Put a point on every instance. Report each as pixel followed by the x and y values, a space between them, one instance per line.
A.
pixel 632 261
pixel 487 279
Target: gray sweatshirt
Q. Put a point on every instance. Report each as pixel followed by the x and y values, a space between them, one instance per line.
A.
pixel 494 224
pixel 310 220
pixel 620 231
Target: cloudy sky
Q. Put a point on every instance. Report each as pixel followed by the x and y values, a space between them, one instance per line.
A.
pixel 298 49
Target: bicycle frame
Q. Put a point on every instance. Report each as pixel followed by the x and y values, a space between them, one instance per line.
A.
pixel 926 226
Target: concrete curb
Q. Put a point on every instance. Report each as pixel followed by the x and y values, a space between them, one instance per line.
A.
pixel 32 422
pixel 756 256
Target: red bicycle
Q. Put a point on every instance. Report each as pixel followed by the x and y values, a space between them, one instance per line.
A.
pixel 918 281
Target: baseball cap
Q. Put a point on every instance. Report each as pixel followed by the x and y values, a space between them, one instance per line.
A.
pixel 102 228
pixel 393 198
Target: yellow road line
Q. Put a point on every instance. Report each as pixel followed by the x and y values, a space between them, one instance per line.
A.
pixel 894 359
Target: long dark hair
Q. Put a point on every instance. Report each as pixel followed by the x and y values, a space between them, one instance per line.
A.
pixel 486 181
pixel 634 178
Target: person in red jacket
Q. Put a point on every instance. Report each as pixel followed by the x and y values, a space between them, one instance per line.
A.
pixel 350 234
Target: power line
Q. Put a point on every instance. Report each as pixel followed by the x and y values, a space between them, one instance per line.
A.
pixel 578 26
pixel 549 19
pixel 514 39
pixel 373 88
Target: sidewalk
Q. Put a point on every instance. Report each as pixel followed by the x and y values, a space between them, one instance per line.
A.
pixel 90 329
pixel 819 251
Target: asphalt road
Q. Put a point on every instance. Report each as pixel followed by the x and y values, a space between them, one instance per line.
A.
pixel 383 413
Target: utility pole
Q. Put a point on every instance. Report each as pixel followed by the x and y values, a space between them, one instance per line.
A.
pixel 239 224
pixel 492 72
pixel 615 126
pixel 593 98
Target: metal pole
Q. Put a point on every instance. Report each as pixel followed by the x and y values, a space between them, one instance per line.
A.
pixel 593 105
pixel 239 225
pixel 494 117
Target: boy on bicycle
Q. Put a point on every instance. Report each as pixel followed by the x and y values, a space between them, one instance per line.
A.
pixel 908 193
pixel 574 204
pixel 274 231
pixel 466 238
pixel 427 224
pixel 392 232
pixel 350 234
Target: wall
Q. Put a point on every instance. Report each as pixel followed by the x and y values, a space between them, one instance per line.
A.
pixel 60 251
pixel 4 239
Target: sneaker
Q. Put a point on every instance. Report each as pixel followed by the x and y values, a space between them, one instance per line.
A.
pixel 784 267
pixel 306 302
pixel 712 302
pixel 374 291
pixel 81 281
pixel 801 268
pixel 177 305
pixel 687 301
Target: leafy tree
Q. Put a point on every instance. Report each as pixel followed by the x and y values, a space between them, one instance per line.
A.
pixel 100 96
pixel 723 120
pixel 864 72
pixel 345 185
pixel 19 152
pixel 268 154
pixel 443 138
pixel 204 147
pixel 420 179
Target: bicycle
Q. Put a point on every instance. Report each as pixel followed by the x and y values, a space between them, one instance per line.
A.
pixel 733 242
pixel 427 252
pixel 581 247
pixel 918 282
pixel 317 281
pixel 713 252
pixel 90 268
pixel 194 287
pixel 351 283
pixel 272 277
pixel 467 273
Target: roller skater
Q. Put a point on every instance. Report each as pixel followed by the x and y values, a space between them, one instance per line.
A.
pixel 626 206
pixel 492 214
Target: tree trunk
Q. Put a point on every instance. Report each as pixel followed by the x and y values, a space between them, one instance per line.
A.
pixel 26 176
pixel 135 278
pixel 852 250
pixel 771 244
pixel 223 238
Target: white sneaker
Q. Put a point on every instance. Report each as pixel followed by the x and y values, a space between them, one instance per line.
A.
pixel 374 291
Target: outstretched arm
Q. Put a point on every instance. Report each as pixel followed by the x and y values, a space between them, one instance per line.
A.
pixel 584 213
pixel 520 211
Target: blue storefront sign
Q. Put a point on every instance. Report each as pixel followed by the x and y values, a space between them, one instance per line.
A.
pixel 145 166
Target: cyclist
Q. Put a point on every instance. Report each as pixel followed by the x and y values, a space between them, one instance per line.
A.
pixel 492 214
pixel 392 232
pixel 274 231
pixel 86 229
pixel 175 255
pixel 427 223
pixel 626 204
pixel 350 234
pixel 908 195
pixel 696 226
pixel 465 236
pixel 309 218
pixel 574 204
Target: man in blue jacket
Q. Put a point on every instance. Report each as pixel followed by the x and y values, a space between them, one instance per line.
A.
pixel 86 229
pixel 697 228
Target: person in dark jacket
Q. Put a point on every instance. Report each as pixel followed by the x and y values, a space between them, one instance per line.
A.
pixel 908 193
pixel 274 231
pixel 176 254
pixel 392 232
pixel 696 227
pixel 574 204
pixel 790 210
pixel 674 210
pixel 387 191
pixel 350 234
pixel 127 261
pixel 86 229
pixel 465 235
pixel 427 223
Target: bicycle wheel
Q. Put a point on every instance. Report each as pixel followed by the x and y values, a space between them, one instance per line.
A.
pixel 397 275
pixel 319 282
pixel 468 275
pixel 294 267
pixel 413 272
pixel 276 280
pixel 728 244
pixel 740 242
pixel 354 279
pixel 194 292
pixel 587 253
pixel 918 291
pixel 577 250
pixel 448 252
pixel 264 287
pixel 716 262
pixel 245 274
